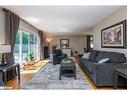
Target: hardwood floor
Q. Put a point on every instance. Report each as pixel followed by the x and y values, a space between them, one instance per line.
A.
pixel 27 74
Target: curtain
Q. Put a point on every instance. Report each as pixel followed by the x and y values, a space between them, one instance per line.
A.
pixel 41 44
pixel 11 28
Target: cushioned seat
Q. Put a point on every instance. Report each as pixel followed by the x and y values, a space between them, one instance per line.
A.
pixel 102 73
pixel 88 64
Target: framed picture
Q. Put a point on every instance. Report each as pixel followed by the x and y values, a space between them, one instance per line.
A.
pixel 114 36
pixel 64 43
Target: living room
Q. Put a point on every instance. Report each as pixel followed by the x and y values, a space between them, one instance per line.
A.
pixel 63 47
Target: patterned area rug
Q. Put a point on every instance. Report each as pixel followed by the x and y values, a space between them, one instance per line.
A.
pixel 48 78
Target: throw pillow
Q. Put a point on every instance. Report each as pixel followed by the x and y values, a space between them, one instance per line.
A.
pixel 86 55
pixel 93 55
pixel 103 60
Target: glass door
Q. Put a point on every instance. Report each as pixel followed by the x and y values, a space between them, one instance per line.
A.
pixel 17 48
pixel 25 44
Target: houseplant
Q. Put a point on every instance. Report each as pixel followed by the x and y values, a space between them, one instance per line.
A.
pixel 29 60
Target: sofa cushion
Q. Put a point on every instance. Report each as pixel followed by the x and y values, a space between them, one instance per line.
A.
pixel 103 60
pixel 114 57
pixel 93 55
pixel 86 55
pixel 87 64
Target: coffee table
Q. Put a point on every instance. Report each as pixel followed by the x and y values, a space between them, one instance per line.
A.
pixel 67 68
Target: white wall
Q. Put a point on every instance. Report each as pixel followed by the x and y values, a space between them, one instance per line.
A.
pixel 76 43
pixel 2 27
pixel 117 16
pixel 27 27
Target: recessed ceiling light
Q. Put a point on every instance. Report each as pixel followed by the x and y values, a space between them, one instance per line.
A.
pixel 33 20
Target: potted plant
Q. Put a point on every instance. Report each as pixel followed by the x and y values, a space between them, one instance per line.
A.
pixel 31 56
pixel 30 59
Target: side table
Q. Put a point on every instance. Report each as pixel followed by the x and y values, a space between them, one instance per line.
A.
pixel 119 72
pixel 8 67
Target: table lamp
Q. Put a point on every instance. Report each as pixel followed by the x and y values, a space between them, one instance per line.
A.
pixel 3 50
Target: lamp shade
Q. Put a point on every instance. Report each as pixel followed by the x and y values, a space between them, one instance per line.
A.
pixel 5 48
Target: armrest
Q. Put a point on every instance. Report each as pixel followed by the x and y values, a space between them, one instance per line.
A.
pixel 80 55
pixel 106 68
pixel 103 72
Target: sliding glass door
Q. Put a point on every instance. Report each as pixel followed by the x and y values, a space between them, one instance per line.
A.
pixel 26 43
pixel 17 48
pixel 25 46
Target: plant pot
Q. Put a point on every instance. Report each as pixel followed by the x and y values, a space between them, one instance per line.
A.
pixel 31 62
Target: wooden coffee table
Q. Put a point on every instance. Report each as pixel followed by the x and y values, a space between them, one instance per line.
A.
pixel 67 68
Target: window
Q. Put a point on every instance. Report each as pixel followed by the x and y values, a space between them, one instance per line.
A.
pixel 26 43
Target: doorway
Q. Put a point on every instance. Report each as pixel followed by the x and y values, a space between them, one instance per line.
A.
pixel 46 52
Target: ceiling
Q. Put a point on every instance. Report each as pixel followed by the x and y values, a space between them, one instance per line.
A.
pixel 63 20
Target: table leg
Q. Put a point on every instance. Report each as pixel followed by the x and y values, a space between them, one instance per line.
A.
pixel 4 77
pixel 18 69
pixel 60 74
pixel 75 73
pixel 115 80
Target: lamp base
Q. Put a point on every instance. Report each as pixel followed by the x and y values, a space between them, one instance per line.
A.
pixel 3 64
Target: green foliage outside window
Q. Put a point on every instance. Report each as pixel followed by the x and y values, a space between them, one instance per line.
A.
pixel 28 42
pixel 24 38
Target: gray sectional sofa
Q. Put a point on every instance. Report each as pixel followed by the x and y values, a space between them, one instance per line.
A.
pixel 102 73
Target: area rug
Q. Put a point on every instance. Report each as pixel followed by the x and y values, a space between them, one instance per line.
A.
pixel 48 78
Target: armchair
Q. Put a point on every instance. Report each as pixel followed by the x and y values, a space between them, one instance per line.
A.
pixel 57 56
